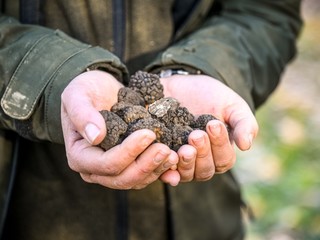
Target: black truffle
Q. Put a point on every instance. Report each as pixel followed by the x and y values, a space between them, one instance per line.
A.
pixel 178 116
pixel 116 128
pixel 161 107
pixel 163 134
pixel 148 85
pixel 180 136
pixel 142 105
pixel 128 95
pixel 130 113
pixel 202 120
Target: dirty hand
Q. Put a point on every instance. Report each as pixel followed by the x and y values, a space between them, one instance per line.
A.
pixel 134 163
pixel 211 151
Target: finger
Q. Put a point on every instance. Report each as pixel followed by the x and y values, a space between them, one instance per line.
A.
pixel 171 177
pixel 186 166
pixel 70 135
pixel 171 162
pixel 204 165
pixel 244 125
pixel 85 118
pixel 222 151
pixel 139 173
pixel 85 158
pixel 245 130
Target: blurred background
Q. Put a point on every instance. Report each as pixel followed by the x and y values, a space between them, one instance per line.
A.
pixel 281 173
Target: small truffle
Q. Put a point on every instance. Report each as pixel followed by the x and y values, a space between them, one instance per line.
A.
pixel 130 113
pixel 128 95
pixel 116 128
pixel 163 134
pixel 119 106
pixel 178 116
pixel 161 107
pixel 148 85
pixel 180 136
pixel 202 120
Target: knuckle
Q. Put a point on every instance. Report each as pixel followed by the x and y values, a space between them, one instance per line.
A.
pixel 145 183
pixel 120 184
pixel 144 170
pixel 86 177
pixel 140 186
pixel 222 168
pixel 186 177
pixel 111 170
pixel 72 164
pixel 206 175
pixel 185 168
pixel 204 155
pixel 186 163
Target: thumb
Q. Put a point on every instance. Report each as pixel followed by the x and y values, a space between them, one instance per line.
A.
pixel 244 125
pixel 84 118
pixel 244 131
pixel 94 129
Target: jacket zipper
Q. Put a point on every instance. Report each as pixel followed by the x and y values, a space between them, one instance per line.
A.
pixel 119 31
pixel 119 27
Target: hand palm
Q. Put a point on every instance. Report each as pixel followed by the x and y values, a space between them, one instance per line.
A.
pixel 203 94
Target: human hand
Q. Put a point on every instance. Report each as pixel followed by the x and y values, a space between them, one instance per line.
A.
pixel 211 151
pixel 134 163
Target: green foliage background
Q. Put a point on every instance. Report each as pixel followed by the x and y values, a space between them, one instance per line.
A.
pixel 281 173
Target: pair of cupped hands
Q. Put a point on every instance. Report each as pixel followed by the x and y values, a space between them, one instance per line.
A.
pixel 138 161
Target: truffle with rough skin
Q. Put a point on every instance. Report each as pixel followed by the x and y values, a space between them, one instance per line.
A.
pixel 142 105
pixel 163 134
pixel 116 129
pixel 148 85
pixel 130 113
pixel 119 106
pixel 128 95
pixel 178 116
pixel 180 136
pixel 161 107
pixel 202 120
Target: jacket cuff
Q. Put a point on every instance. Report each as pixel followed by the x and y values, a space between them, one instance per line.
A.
pixel 33 94
pixel 90 57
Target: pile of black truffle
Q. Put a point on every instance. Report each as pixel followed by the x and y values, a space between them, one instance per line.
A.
pixel 142 105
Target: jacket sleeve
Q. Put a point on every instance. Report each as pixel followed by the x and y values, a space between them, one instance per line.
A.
pixel 246 45
pixel 36 64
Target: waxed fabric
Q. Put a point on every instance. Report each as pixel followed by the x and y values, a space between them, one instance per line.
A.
pixel 244 43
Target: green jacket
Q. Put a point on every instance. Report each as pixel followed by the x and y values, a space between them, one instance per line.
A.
pixel 244 43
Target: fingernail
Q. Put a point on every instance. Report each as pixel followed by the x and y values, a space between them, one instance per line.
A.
pixel 160 157
pixel 92 132
pixel 147 140
pixel 199 140
pixel 187 159
pixel 167 165
pixel 215 128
